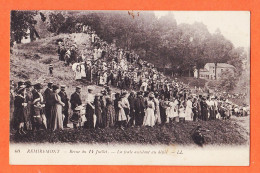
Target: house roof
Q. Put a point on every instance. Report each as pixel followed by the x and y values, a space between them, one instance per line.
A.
pixel 221 65
pixel 203 70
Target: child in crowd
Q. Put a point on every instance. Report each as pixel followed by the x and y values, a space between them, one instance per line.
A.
pixel 37 121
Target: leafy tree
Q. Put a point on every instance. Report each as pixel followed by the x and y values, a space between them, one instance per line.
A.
pixel 21 22
pixel 227 81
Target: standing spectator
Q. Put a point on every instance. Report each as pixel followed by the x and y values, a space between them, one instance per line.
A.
pixel 65 109
pixel 48 102
pixel 131 100
pixel 98 111
pixel 19 105
pixel 75 98
pixel 188 110
pixel 56 120
pixel 29 108
pixel 149 119
pixel 90 108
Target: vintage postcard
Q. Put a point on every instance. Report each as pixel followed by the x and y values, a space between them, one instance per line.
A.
pixel 129 88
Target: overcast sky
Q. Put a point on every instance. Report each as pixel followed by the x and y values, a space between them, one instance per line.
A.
pixel 234 25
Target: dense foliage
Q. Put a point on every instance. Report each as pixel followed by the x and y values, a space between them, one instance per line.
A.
pixel 21 22
pixel 180 48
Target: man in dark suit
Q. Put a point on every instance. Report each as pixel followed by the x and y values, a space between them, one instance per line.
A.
pixel 139 109
pixel 75 98
pixel 48 102
pixel 65 109
pixel 131 100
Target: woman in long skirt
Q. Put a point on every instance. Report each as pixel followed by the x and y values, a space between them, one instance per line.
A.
pixel 110 110
pixel 103 108
pixel 29 108
pixel 117 99
pixel 157 110
pixel 149 119
pixel 98 111
pixel 56 111
pixel 121 114
pixel 188 110
pixel 19 104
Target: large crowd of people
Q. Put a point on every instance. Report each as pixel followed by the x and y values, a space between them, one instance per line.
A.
pixel 147 96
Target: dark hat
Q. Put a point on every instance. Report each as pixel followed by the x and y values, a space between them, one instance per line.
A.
pixel 21 89
pixel 20 83
pixel 50 84
pixel 38 86
pixel 28 84
pixel 63 86
pixel 55 87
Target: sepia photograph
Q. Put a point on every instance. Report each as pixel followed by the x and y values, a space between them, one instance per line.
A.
pixel 129 87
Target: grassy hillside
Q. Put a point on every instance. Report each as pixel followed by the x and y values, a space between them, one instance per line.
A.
pixel 31 61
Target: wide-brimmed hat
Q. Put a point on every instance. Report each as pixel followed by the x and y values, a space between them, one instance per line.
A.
pixel 38 86
pixel 28 84
pixel 22 87
pixel 20 83
pixel 55 87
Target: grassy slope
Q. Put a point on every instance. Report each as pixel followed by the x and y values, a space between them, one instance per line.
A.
pixel 221 132
pixel 30 62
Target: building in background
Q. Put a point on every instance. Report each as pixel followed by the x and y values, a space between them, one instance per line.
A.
pixel 208 72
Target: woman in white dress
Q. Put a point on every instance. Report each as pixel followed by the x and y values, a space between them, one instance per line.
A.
pixel 182 112
pixel 157 110
pixel 83 71
pixel 149 119
pixel 176 111
pixel 171 111
pixel 76 67
pixel 167 111
pixel 188 110
pixel 121 114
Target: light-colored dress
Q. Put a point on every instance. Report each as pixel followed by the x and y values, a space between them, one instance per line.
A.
pixel 182 112
pixel 171 110
pixel 175 112
pixel 121 113
pixel 157 111
pixel 83 70
pixel 56 114
pixel 149 119
pixel 188 111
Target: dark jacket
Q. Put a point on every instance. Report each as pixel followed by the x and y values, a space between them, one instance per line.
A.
pixel 139 104
pixel 64 99
pixel 47 96
pixel 75 100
